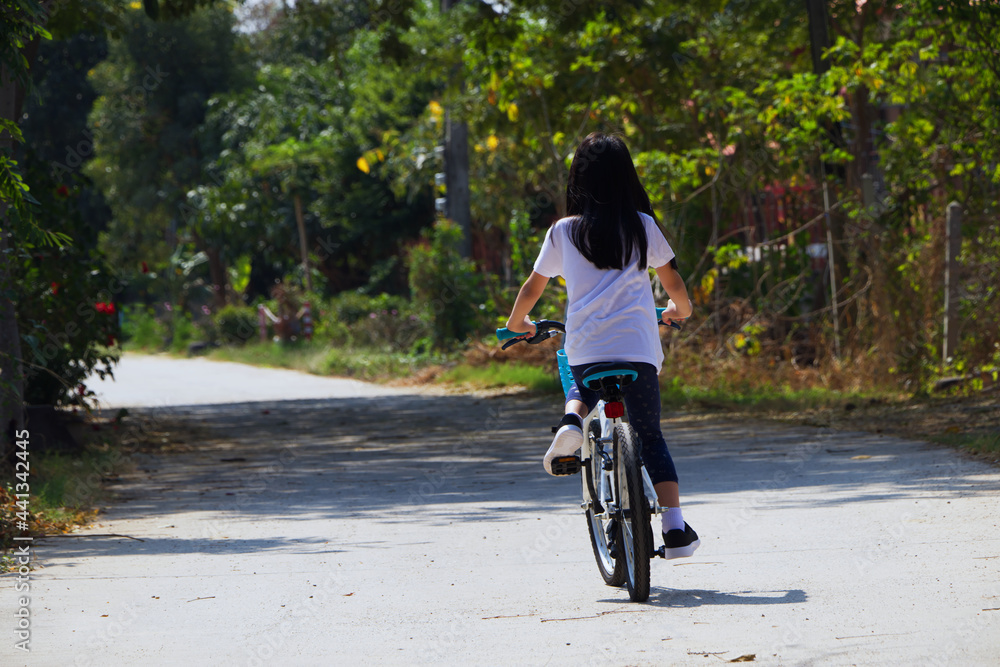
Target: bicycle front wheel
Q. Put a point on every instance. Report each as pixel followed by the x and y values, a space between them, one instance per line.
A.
pixel 604 532
pixel 636 533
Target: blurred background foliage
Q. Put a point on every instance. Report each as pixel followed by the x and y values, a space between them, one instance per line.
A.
pixel 186 157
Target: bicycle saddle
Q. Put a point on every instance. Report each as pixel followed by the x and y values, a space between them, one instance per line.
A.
pixel 607 369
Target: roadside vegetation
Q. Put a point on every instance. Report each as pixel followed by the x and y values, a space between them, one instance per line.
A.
pixel 67 486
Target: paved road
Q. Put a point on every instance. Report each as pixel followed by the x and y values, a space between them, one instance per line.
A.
pixel 417 529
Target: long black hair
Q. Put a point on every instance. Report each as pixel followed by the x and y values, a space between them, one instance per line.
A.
pixel 605 196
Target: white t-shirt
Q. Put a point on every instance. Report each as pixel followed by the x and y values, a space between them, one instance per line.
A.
pixel 611 315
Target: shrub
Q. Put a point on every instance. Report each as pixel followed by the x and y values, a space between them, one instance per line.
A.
pixel 142 329
pixel 184 332
pixel 384 321
pixel 447 289
pixel 235 325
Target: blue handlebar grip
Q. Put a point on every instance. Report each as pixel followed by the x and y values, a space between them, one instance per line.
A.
pixel 659 318
pixel 505 334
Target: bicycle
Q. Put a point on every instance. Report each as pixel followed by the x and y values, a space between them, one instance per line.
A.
pixel 618 495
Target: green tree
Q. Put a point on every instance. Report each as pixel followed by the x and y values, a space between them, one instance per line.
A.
pixel 67 292
pixel 303 134
pixel 25 23
pixel 154 90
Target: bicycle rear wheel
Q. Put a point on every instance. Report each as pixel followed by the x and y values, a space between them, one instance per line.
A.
pixel 604 533
pixel 636 533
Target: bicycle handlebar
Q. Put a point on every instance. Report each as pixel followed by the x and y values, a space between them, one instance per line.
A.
pixel 545 329
pixel 540 327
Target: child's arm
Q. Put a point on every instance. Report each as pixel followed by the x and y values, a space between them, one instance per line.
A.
pixel 679 306
pixel 531 290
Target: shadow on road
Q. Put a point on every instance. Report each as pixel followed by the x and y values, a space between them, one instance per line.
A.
pixel 668 597
pixel 445 459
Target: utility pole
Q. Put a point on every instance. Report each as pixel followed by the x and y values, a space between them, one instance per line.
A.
pixel 456 169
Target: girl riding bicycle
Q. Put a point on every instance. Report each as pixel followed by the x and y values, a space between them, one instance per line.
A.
pixel 602 249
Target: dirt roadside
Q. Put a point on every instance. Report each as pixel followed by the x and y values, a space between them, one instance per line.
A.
pixel 953 421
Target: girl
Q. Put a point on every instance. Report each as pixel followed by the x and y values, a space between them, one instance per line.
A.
pixel 602 250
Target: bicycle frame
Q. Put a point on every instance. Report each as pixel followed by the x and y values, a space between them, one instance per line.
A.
pixel 606 487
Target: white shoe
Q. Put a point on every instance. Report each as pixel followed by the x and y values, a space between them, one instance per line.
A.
pixel 569 438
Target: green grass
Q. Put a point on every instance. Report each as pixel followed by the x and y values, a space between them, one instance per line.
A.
pixel 984 444
pixel 66 484
pixel 676 393
pixel 274 355
pixel 504 375
pixel 65 490
pixel 322 359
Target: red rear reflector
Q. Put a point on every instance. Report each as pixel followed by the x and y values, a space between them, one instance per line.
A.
pixel 614 410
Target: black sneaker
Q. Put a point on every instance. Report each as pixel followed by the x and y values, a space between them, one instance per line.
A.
pixel 680 543
pixel 613 539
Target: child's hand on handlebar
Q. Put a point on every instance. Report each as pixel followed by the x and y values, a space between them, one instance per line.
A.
pixel 672 312
pixel 525 326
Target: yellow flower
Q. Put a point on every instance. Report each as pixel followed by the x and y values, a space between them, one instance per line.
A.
pixel 363 165
pixel 492 142
pixel 512 112
pixel 436 109
pixel 135 5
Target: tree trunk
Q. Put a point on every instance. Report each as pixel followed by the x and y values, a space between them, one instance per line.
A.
pixel 456 169
pixel 11 378
pixel 303 242
pixel 217 273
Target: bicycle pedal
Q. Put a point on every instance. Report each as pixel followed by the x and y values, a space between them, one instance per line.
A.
pixel 565 465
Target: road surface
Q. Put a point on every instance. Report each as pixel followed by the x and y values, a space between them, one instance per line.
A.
pixel 313 521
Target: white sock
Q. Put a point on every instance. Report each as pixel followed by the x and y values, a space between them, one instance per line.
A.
pixel 672 519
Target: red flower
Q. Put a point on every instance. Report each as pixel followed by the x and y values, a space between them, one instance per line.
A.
pixel 145 267
pixel 81 389
pixel 101 308
pixel 63 191
pixel 55 288
pixel 111 340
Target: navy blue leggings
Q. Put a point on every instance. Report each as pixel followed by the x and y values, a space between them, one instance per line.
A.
pixel 642 400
